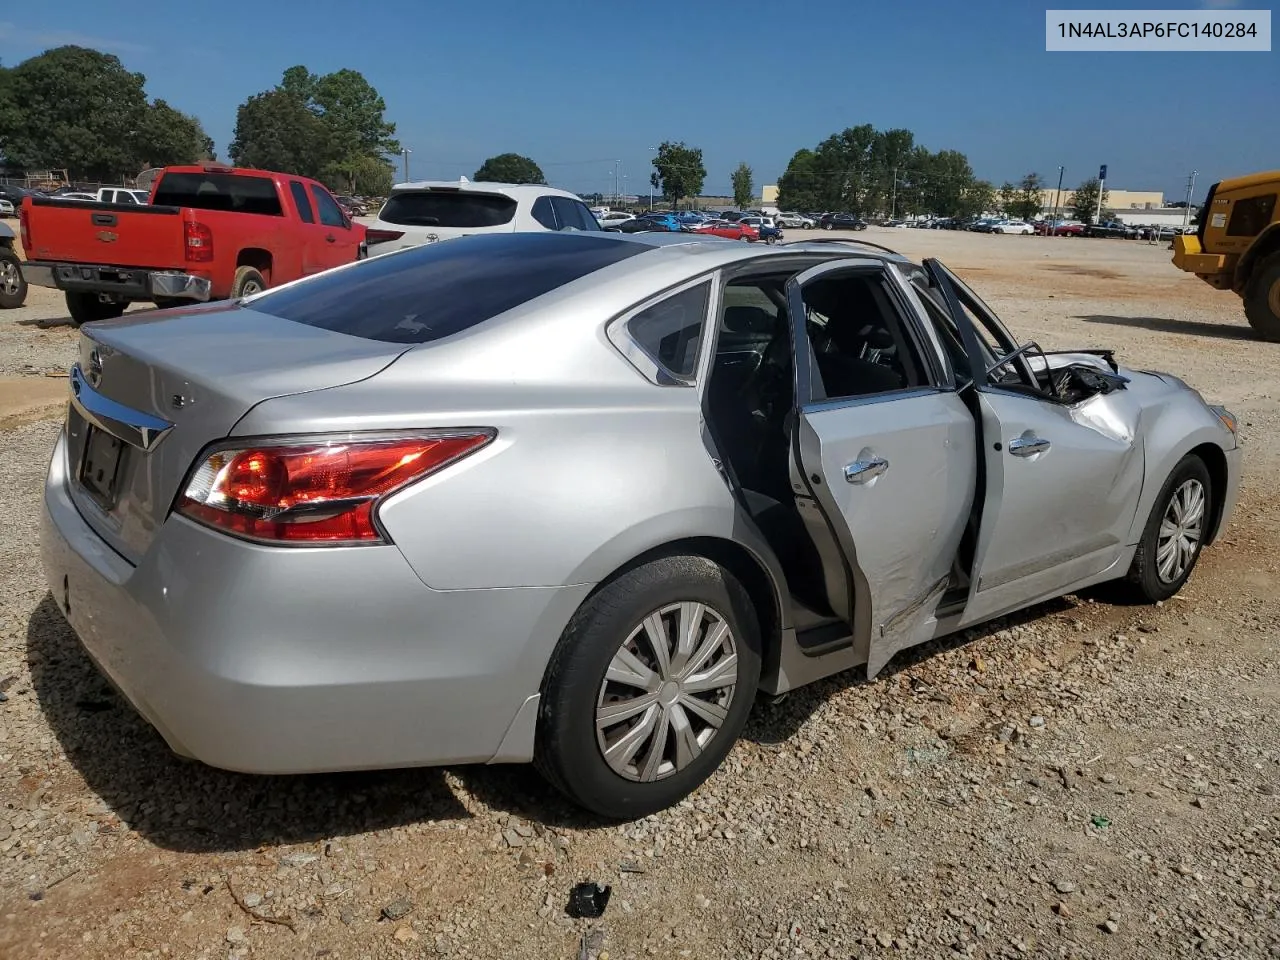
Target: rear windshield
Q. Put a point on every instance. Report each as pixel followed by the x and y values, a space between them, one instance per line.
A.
pixel 434 208
pixel 219 191
pixel 434 291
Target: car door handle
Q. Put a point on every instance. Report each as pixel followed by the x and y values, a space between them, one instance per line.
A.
pixel 331 238
pixel 862 471
pixel 1028 446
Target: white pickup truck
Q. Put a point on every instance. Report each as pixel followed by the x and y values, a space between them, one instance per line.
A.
pixel 122 195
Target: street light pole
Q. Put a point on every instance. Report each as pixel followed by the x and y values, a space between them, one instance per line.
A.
pixel 407 151
pixel 655 150
pixel 1191 189
pixel 1057 197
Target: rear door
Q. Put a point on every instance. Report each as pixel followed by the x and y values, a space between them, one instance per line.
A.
pixel 885 447
pixel 1061 481
pixel 341 243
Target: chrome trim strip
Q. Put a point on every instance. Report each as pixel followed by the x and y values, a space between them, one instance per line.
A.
pixel 134 427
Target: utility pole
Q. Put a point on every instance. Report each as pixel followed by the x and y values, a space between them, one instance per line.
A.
pixel 1191 189
pixel 1057 197
pixel 407 151
pixel 655 150
pixel 617 165
pixel 1102 187
pixel 893 204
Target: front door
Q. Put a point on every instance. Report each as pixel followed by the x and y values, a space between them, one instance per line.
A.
pixel 885 448
pixel 1061 479
pixel 340 242
pixel 313 232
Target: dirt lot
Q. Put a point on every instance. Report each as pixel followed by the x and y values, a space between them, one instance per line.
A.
pixel 1088 780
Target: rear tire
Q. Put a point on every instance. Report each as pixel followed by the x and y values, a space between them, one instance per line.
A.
pixel 13 286
pixel 247 282
pixel 652 765
pixel 1174 534
pixel 87 307
pixel 1262 298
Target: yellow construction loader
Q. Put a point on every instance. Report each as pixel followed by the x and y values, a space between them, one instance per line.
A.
pixel 1237 247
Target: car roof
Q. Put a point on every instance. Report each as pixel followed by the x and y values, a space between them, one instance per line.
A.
pixel 514 190
pixel 721 251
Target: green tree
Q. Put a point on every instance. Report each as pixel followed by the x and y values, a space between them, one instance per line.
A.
pixel 1007 197
pixel 978 199
pixel 1027 201
pixel 744 188
pixel 510 168
pixel 1084 202
pixel 678 172
pixel 75 108
pixel 797 188
pixel 276 130
pixel 330 126
pixel 167 136
pixel 359 175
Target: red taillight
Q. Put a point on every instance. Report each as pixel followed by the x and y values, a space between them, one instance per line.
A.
pixel 24 221
pixel 318 492
pixel 374 235
pixel 198 240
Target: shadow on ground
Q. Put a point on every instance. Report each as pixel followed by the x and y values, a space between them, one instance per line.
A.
pixel 187 806
pixel 1192 328
pixel 46 323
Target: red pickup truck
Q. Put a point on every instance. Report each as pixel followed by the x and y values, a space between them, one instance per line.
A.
pixel 209 232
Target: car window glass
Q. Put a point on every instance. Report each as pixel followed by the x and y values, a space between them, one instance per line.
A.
pixel 452 208
pixel 237 192
pixel 1251 215
pixel 860 346
pixel 589 221
pixel 544 214
pixel 303 203
pixel 570 214
pixel 330 213
pixel 670 331
pixel 439 289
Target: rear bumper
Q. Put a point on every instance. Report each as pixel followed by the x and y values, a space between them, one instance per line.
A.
pixel 269 660
pixel 127 283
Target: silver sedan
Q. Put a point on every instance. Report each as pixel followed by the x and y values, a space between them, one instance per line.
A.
pixel 576 498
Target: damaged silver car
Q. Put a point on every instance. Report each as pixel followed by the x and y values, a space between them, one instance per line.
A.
pixel 576 498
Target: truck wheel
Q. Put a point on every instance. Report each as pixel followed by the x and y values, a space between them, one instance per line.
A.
pixel 248 281
pixel 86 307
pixel 1262 299
pixel 13 287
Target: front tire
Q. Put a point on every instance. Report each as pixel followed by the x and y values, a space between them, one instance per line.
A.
pixel 87 307
pixel 649 687
pixel 13 286
pixel 1175 532
pixel 1262 299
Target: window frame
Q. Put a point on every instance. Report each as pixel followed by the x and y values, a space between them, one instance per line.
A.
pixel 320 195
pixel 618 332
pixel 306 212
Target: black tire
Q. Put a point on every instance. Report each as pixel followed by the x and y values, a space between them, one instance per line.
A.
pixel 13 286
pixel 1144 577
pixel 247 282
pixel 828 226
pixel 568 752
pixel 1262 298
pixel 86 307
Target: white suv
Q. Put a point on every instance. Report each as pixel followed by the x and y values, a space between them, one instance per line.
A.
pixel 429 210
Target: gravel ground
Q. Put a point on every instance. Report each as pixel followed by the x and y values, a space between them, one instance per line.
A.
pixel 1086 780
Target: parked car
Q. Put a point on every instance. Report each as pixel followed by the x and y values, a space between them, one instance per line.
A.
pixel 210 232
pixel 729 229
pixel 1111 228
pixel 7 209
pixel 613 218
pixel 426 211
pixel 842 221
pixel 352 206
pixel 1068 228
pixel 13 286
pixel 338 557
pixel 1019 227
pixel 125 195
pixel 795 220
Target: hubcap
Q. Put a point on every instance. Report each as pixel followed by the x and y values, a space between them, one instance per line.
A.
pixel 8 277
pixel 667 691
pixel 1180 531
pixel 249 289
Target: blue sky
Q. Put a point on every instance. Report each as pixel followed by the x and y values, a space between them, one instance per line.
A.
pixel 578 85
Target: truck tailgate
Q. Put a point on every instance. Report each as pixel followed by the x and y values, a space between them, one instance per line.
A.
pixel 76 231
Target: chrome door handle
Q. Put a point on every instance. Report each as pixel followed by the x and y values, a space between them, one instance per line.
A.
pixel 861 471
pixel 1028 446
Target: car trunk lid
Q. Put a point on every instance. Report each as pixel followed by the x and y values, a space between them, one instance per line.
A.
pixel 149 393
